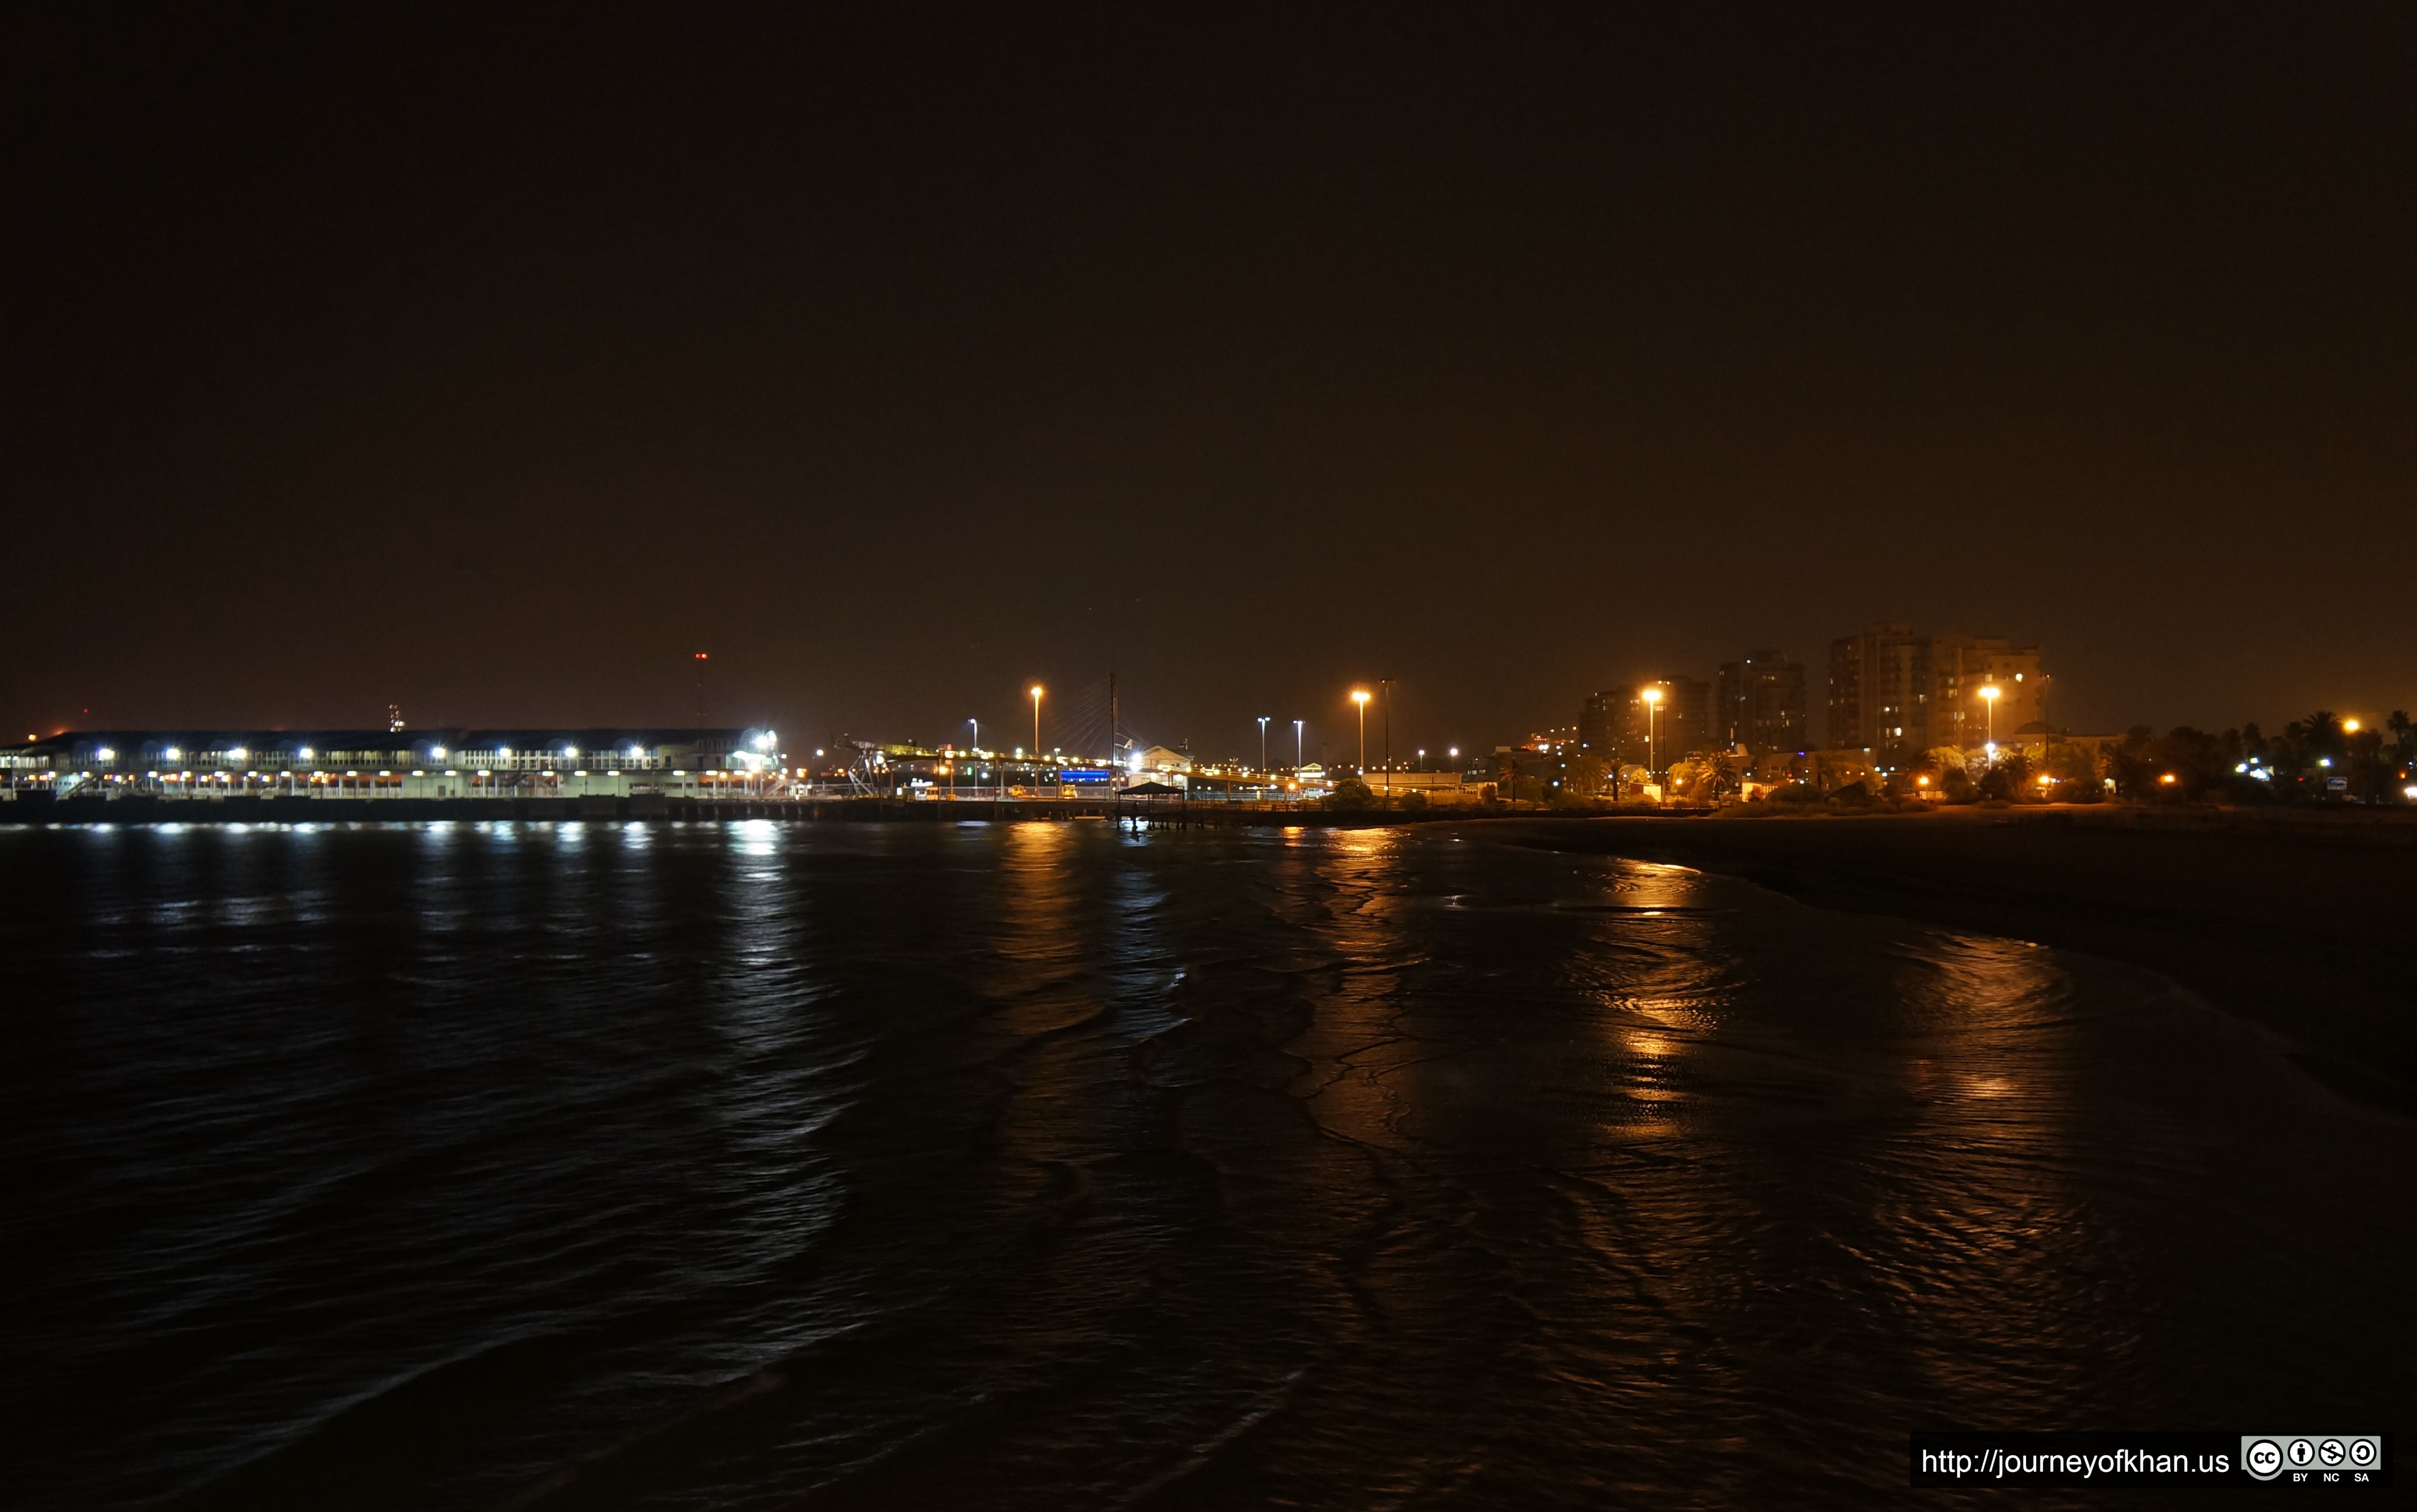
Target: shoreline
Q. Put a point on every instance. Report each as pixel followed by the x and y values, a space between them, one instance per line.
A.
pixel 2302 923
pixel 2307 930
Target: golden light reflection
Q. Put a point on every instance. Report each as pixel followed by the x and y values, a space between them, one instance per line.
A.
pixel 1982 1199
pixel 1357 1047
pixel 1694 1015
pixel 1038 940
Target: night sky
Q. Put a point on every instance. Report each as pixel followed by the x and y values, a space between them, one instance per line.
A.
pixel 492 365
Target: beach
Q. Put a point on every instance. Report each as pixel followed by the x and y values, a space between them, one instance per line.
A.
pixel 2304 925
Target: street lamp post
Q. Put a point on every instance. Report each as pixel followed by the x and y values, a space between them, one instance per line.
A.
pixel 1387 684
pixel 1989 701
pixel 1298 760
pixel 1263 745
pixel 1359 696
pixel 1653 703
pixel 1035 740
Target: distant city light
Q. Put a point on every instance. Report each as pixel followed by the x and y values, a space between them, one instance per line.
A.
pixel 437 752
pixel 304 753
pixel 2324 761
pixel 2169 779
pixel 104 753
pixel 570 752
pixel 173 754
pixel 2350 727
pixel 2409 793
pixel 636 751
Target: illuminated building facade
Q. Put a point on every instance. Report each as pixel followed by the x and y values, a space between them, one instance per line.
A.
pixel 1759 703
pixel 393 762
pixel 1890 687
pixel 1879 688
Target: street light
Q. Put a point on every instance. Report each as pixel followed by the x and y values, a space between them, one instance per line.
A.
pixel 1652 702
pixel 1387 684
pixel 1263 743
pixel 1989 698
pixel 1359 696
pixel 1296 759
pixel 1036 721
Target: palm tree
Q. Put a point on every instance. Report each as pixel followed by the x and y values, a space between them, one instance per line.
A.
pixel 2322 736
pixel 1585 774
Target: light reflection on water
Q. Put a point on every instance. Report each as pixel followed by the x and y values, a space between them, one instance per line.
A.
pixel 1022 1164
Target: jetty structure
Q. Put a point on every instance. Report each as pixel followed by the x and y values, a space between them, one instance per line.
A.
pixel 283 774
pixel 114 765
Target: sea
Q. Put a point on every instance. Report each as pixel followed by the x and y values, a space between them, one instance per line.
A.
pixel 1049 1165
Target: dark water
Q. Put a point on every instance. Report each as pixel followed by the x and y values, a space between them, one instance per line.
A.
pixel 1033 1166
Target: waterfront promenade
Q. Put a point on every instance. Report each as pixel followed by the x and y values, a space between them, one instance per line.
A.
pixel 280 808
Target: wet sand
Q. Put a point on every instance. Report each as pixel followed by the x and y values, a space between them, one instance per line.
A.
pixel 2305 926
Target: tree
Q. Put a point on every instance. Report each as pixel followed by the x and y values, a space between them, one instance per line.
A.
pixel 1584 776
pixel 1350 794
pixel 2007 776
pixel 2075 771
pixel 2195 760
pixel 2136 764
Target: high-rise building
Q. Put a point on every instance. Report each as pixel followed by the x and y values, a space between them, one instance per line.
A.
pixel 1761 703
pixel 1891 686
pixel 1845 700
pixel 1619 727
pixel 1983 685
pixel 1880 688
pixel 1600 722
